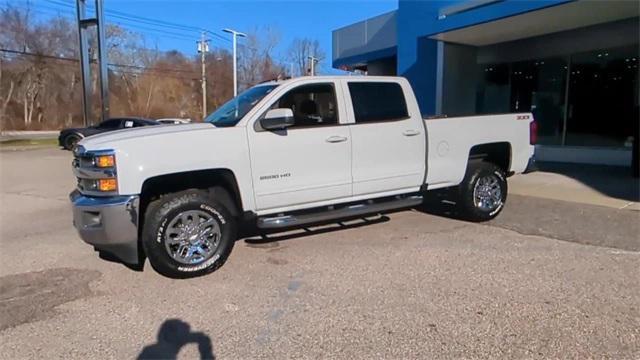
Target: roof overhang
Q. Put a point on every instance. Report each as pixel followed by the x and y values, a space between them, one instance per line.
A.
pixel 549 20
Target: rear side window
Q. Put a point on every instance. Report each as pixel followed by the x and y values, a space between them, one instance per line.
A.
pixel 377 101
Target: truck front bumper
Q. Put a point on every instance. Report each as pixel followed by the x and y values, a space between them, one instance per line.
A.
pixel 110 224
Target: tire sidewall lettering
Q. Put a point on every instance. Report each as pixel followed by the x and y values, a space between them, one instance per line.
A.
pixel 161 228
pixel 214 212
pixel 202 266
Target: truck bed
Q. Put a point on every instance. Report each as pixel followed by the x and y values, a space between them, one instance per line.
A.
pixel 448 155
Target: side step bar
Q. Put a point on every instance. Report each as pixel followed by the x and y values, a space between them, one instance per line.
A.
pixel 329 213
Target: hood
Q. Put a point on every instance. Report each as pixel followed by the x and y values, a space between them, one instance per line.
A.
pixel 144 131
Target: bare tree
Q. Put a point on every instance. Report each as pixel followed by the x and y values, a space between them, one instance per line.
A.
pixel 299 53
pixel 256 62
pixel 40 76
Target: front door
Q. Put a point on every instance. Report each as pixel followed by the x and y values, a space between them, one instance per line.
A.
pixel 309 161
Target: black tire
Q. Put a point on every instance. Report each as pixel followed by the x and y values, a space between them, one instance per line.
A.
pixel 70 141
pixel 160 214
pixel 469 208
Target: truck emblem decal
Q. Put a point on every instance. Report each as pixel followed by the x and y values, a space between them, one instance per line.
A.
pixel 275 176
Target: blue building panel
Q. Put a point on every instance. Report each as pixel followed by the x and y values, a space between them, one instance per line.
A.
pixel 417 20
pixel 365 41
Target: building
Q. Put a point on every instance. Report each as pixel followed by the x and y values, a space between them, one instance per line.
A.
pixel 573 63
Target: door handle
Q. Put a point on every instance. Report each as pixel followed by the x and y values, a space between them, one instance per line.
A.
pixel 336 139
pixel 411 132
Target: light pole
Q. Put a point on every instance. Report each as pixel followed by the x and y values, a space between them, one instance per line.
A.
pixel 203 48
pixel 313 60
pixel 235 58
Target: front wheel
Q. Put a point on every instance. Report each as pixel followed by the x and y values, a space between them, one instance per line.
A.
pixel 483 192
pixel 188 234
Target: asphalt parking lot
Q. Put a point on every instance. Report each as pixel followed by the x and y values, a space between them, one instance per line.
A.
pixel 547 279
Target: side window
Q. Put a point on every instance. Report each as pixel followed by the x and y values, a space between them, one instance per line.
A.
pixel 138 123
pixel 312 105
pixel 110 124
pixel 377 101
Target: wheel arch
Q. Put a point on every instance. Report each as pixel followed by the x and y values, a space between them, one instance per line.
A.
pixel 66 136
pixel 498 153
pixel 206 179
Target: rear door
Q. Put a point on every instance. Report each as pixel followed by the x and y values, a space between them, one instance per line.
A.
pixel 388 140
pixel 306 163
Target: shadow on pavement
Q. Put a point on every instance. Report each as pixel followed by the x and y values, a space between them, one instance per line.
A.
pixel 614 181
pixel 557 219
pixel 114 259
pixel 172 336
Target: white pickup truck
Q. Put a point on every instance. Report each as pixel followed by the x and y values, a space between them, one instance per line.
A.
pixel 284 154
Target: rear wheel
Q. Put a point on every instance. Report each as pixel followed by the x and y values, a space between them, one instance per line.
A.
pixel 188 234
pixel 71 141
pixel 483 192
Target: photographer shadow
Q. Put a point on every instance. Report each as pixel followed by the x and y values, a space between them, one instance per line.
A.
pixel 172 336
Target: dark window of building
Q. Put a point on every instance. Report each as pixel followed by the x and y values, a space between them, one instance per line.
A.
pixel 582 99
pixel 539 86
pixel 603 97
pixel 312 105
pixel 493 90
pixel 374 101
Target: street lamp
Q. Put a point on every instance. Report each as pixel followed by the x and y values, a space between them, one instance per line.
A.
pixel 235 58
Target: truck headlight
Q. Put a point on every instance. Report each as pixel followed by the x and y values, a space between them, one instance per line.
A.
pixel 105 161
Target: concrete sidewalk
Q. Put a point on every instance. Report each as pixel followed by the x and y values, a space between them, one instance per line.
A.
pixel 608 186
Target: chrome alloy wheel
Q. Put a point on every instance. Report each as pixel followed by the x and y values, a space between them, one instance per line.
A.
pixel 487 193
pixel 192 237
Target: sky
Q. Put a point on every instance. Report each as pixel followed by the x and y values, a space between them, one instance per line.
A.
pixel 291 19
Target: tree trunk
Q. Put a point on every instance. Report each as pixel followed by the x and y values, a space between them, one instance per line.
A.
pixel 149 98
pixel 128 86
pixel 5 104
pixel 25 109
pixel 72 92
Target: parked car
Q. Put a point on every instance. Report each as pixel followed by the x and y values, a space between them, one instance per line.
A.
pixel 287 154
pixel 174 121
pixel 68 138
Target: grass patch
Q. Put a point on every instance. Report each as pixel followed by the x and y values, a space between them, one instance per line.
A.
pixel 29 142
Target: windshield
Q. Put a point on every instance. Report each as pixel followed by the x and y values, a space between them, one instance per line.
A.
pixel 233 110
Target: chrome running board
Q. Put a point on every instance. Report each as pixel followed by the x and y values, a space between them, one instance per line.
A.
pixel 331 213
